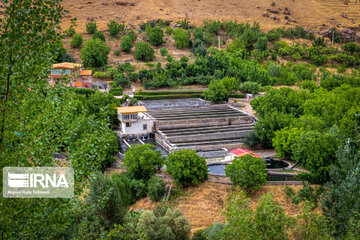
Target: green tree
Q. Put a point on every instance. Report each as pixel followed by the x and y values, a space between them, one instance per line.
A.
pixel 91 27
pixel 262 44
pixel 170 224
pixel 285 141
pixel 114 28
pixel 316 152
pixel 250 87
pixel 186 168
pixel 76 40
pixel 126 44
pixel 98 35
pixel 142 161
pixel 144 52
pixel 181 38
pixel 341 202
pixel 94 53
pixel 110 197
pixel 156 36
pixel 247 171
pixel 156 188
pixel 217 91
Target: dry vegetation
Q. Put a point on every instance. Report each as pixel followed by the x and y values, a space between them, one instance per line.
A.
pixel 204 205
pixel 310 14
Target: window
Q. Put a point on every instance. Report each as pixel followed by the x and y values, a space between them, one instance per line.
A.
pixel 145 127
pixel 128 124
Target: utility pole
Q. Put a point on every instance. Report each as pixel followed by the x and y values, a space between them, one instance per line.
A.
pixel 219 42
pixel 333 33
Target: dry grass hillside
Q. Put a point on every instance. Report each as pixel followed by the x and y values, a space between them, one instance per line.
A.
pixel 310 14
pixel 204 205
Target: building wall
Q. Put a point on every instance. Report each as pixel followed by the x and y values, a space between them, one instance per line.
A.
pixel 137 127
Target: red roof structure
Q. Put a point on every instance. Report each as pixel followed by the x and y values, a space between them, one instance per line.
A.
pixel 242 152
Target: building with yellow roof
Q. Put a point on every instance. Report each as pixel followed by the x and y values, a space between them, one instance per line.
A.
pixel 135 122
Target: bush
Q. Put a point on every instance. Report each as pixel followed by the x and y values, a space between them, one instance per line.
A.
pixel 217 91
pixel 142 161
pixel 186 167
pixel 117 52
pixel 247 171
pixel 138 188
pixel 116 91
pixel 163 51
pixel 250 87
pixel 251 139
pixel 114 28
pixel 76 40
pixel 91 27
pixel 126 44
pixel 262 44
pixel 169 30
pixel 156 36
pixel 170 224
pixel 156 188
pixel 133 76
pixel 98 35
pixel 144 52
pixel 110 197
pixel 132 35
pixel 94 53
pixel 181 38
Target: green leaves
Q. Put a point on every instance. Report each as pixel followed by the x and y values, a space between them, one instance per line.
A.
pixel 94 53
pixel 247 171
pixel 187 168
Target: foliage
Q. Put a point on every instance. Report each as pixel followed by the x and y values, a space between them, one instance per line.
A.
pixel 186 168
pixel 144 52
pixel 262 44
pixel 98 35
pixel 71 30
pixel 110 197
pixel 126 44
pixel 250 87
pixel 114 28
pixel 132 35
pixel 156 36
pixel 127 230
pixel 76 40
pixel 340 204
pixel 94 53
pixel 169 225
pixel 247 171
pixel 142 161
pixel 117 52
pixel 156 188
pixel 251 139
pixel 217 91
pixel 267 221
pixel 91 27
pixel 116 91
pixel 181 38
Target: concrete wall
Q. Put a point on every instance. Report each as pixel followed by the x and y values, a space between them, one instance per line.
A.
pixel 174 103
pixel 136 127
pixel 210 136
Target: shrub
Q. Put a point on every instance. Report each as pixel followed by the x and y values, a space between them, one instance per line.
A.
pixel 94 53
pixel 114 28
pixel 116 91
pixel 156 188
pixel 132 35
pixel 117 52
pixel 169 30
pixel 138 188
pixel 163 51
pixel 76 40
pixel 217 91
pixel 98 35
pixel 250 87
pixel 126 44
pixel 181 38
pixel 144 52
pixel 133 76
pixel 247 171
pixel 262 44
pixel 251 139
pixel 310 85
pixel 91 27
pixel 142 161
pixel 156 36
pixel 110 197
pixel 170 224
pixel 186 167
pixel 235 45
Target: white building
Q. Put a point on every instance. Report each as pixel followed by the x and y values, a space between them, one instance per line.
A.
pixel 135 122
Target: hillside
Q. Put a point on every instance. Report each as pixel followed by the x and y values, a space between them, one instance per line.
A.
pixel 310 14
